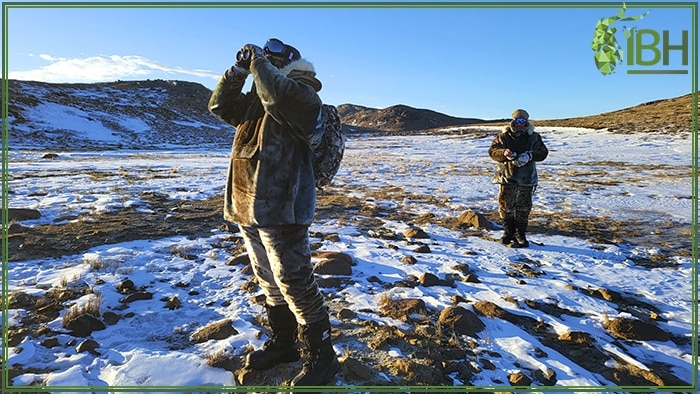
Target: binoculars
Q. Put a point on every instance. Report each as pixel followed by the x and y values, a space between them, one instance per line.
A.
pixel 243 55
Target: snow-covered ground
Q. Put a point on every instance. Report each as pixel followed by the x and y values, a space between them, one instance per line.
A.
pixel 588 173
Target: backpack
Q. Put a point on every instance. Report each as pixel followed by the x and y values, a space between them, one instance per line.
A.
pixel 329 152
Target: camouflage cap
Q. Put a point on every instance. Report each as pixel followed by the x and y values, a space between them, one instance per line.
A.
pixel 520 113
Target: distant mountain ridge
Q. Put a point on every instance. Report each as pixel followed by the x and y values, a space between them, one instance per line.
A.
pixel 157 114
pixel 398 118
pixel 115 115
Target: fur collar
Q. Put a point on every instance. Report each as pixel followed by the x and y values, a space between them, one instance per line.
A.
pixel 530 128
pixel 302 70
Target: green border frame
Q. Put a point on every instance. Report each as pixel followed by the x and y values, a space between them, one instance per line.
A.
pixel 692 6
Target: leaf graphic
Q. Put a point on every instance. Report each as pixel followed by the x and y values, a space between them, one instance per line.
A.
pixel 607 52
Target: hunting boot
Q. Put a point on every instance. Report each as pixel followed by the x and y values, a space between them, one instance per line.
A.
pixel 281 347
pixel 520 240
pixel 508 231
pixel 320 361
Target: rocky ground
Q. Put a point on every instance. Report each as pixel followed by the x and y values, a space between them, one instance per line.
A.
pixel 432 345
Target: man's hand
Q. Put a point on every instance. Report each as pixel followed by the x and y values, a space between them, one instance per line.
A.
pixel 509 154
pixel 246 54
pixel 241 68
pixel 236 73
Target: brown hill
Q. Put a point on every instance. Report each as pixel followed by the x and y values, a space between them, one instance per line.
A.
pixel 398 119
pixel 668 115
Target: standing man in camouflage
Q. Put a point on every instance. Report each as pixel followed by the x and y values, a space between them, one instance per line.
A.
pixel 270 194
pixel 516 149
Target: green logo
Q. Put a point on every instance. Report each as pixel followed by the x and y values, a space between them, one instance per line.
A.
pixel 637 45
pixel 607 52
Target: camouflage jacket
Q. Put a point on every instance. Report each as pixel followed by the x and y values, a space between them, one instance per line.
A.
pixel 270 178
pixel 506 171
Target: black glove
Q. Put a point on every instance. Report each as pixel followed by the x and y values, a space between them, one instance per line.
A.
pixel 246 54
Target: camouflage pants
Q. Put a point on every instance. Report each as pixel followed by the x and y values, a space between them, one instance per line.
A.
pixel 515 201
pixel 281 260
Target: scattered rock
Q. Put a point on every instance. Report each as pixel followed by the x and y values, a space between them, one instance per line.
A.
pixel 476 220
pixel 21 300
pixel 462 268
pixel 110 318
pixel 383 233
pixel 245 376
pixel 422 249
pixel 487 364
pixel 331 255
pixel 428 279
pixel 354 369
pixel 173 303
pixel 416 233
pixel 403 309
pixel 250 286
pixel 577 337
pixel 610 295
pixel 519 379
pixel 241 259
pixel 83 325
pixel 638 330
pixel 333 266
pixel 137 296
pixel 19 214
pixel 50 343
pixel 539 353
pixel 409 260
pixel 524 269
pixel 15 228
pixel 415 373
pixel 219 330
pixel 411 282
pixel 346 314
pixel 471 278
pixel 489 309
pixel 460 321
pixel 125 286
pixel 380 335
pixel 332 238
pixel 547 377
pixel 88 345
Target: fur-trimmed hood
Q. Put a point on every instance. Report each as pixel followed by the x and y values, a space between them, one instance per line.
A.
pixel 302 70
pixel 509 128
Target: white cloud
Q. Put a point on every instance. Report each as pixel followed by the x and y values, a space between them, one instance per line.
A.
pixel 104 69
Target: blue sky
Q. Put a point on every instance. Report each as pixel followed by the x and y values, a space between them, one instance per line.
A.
pixel 463 61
